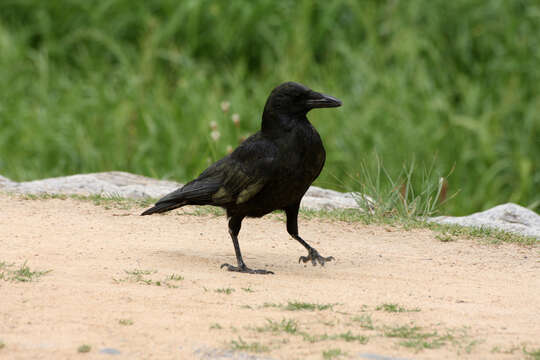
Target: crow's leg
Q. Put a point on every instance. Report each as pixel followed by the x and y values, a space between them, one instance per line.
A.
pixel 292 229
pixel 235 222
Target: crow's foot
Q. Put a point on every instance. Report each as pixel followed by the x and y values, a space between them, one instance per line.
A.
pixel 245 269
pixel 315 258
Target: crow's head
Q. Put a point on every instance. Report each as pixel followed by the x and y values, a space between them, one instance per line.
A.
pixel 293 99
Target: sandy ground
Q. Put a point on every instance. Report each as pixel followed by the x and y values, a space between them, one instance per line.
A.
pixel 481 301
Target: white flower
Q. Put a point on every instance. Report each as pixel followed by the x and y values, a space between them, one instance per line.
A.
pixel 235 119
pixel 215 135
pixel 225 105
pixel 213 125
pixel 229 149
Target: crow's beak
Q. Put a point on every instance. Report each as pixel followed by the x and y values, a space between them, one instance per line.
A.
pixel 318 100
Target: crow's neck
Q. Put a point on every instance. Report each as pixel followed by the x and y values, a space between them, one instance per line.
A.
pixel 274 124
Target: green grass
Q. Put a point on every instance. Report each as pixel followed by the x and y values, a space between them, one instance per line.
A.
pixel 242 345
pixel 23 273
pixel 295 305
pixel 404 332
pixel 84 348
pixel 291 327
pixel 140 272
pixel 492 236
pixel 349 337
pixel 394 308
pixel 413 337
pixel 288 326
pixel 141 276
pixel 488 235
pixel 298 305
pixel 108 202
pixel 532 354
pixel 510 350
pixel 365 321
pixel 203 210
pixel 314 338
pixel 175 277
pixel 93 86
pixel 346 336
pixel 125 322
pixel 227 291
pixel 445 238
pixel 332 354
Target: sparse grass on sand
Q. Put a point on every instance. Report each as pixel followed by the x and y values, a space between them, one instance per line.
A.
pixel 448 232
pixel 22 273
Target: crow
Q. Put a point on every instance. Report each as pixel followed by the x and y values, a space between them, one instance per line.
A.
pixel 270 170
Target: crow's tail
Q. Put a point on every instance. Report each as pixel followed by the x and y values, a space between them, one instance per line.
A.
pixel 196 192
pixel 161 207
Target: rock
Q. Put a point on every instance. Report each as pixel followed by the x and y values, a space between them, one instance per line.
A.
pixel 372 356
pixel 318 198
pixel 114 183
pixel 122 184
pixel 4 181
pixel 208 353
pixel 110 351
pixel 508 217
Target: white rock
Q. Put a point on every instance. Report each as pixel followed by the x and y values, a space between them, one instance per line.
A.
pixel 318 198
pixel 115 183
pixel 4 181
pixel 508 217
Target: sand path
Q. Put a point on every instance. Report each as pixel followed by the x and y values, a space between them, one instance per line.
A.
pixel 481 300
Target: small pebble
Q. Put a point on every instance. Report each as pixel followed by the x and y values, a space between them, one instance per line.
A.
pixel 109 351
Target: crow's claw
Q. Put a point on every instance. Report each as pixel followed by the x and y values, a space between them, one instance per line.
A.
pixel 315 258
pixel 245 269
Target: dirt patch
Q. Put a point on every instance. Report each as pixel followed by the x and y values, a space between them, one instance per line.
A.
pixel 151 287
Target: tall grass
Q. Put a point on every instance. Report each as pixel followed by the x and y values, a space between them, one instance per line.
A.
pixel 122 85
pixel 411 195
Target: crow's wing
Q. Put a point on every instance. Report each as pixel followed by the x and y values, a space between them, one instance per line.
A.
pixel 232 180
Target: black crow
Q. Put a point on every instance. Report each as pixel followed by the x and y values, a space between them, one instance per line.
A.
pixel 270 170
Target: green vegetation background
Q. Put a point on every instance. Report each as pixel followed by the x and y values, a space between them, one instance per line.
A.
pixel 133 85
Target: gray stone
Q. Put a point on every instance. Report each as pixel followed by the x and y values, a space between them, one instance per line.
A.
pixel 4 181
pixel 372 356
pixel 122 184
pixel 208 353
pixel 319 199
pixel 115 183
pixel 508 217
pixel 110 351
